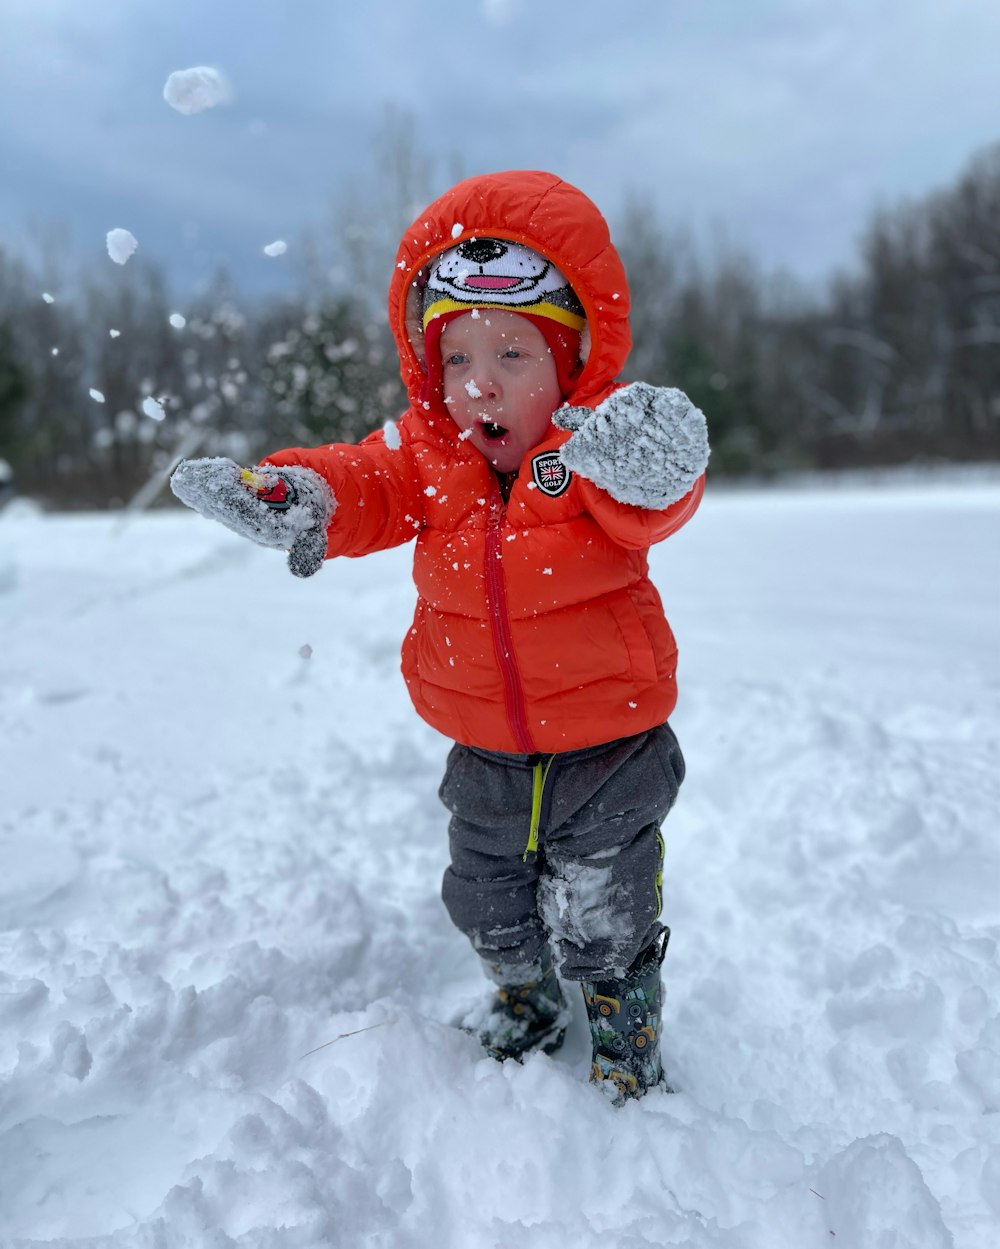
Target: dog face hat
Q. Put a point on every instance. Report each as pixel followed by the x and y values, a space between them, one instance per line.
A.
pixel 497 273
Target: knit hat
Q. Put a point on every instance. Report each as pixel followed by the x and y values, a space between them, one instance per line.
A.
pixel 497 273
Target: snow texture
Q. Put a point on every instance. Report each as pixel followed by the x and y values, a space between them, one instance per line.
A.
pixel 214 488
pixel 191 91
pixel 645 445
pixel 121 245
pixel 578 910
pixel 229 988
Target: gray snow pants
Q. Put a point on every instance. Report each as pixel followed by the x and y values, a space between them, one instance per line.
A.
pixel 592 890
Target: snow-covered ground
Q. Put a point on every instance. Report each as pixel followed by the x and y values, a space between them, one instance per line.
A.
pixel 227 984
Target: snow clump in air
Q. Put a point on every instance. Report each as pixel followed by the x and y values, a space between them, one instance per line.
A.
pixel 191 91
pixel 49 299
pixel 121 245
pixel 153 408
pixel 277 248
pixel 177 320
pixel 390 431
pixel 96 395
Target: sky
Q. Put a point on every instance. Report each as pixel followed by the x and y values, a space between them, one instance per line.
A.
pixel 777 125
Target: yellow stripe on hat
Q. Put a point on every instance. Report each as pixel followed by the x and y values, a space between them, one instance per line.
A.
pixel 541 308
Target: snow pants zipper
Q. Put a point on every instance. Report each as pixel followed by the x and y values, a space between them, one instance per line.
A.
pixel 539 775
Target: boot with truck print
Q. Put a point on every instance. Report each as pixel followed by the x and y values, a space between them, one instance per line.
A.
pixel 624 1018
pixel 526 1016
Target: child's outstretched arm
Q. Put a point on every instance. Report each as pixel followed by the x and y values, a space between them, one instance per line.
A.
pixel 289 508
pixel 314 502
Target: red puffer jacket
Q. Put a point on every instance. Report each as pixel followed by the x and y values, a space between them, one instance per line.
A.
pixel 537 628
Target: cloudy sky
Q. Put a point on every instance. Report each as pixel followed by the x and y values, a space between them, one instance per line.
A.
pixel 778 123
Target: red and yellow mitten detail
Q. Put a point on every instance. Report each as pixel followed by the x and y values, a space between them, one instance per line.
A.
pixel 270 488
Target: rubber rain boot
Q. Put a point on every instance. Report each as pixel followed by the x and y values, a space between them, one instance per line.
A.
pixel 624 1018
pixel 525 1016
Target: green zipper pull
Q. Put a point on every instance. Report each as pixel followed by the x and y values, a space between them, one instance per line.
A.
pixel 538 778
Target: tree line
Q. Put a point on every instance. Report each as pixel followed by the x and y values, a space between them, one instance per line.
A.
pixel 894 361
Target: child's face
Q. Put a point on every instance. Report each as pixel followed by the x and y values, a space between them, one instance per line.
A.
pixel 500 383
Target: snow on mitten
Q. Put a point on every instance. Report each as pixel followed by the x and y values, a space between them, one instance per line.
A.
pixel 286 508
pixel 643 444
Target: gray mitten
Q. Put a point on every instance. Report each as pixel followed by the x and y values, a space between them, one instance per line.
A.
pixel 287 508
pixel 644 444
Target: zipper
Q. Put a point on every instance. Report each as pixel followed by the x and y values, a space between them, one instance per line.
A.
pixel 496 599
pixel 538 779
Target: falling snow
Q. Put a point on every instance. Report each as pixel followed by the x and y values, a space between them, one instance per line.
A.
pixel 191 91
pixel 121 245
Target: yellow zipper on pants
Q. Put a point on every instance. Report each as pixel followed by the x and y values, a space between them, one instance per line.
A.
pixel 539 775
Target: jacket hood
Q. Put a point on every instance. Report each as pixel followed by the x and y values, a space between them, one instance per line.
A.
pixel 547 214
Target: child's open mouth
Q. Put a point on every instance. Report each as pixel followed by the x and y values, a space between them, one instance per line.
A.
pixel 493 432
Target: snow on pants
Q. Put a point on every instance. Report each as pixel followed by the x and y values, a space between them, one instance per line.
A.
pixel 593 887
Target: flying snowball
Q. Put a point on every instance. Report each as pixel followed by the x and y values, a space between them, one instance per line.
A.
pixel 49 299
pixel 177 321
pixel 277 248
pixel 153 409
pixel 192 90
pixel 121 245
pixel 96 395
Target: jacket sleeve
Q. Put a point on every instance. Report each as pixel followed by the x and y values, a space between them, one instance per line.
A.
pixel 377 488
pixel 637 527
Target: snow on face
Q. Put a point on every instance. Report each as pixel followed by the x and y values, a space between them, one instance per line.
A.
pixel 192 90
pixel 121 244
pixel 500 384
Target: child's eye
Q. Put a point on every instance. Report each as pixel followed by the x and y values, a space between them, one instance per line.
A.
pixel 456 357
pixel 511 353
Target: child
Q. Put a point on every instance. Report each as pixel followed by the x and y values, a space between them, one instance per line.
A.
pixel 533 485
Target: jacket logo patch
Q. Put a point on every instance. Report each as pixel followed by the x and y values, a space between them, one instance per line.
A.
pixel 550 474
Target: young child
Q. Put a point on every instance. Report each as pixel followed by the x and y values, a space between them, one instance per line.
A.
pixel 534 485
